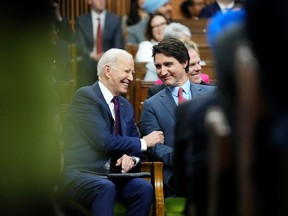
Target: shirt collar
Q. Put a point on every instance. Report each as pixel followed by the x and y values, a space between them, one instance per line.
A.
pixel 106 93
pixel 185 86
pixel 223 7
pixel 96 15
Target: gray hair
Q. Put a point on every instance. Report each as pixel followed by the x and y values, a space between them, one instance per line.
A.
pixel 110 57
pixel 177 30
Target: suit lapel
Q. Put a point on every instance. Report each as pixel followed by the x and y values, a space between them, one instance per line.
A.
pixel 98 92
pixel 89 27
pixel 107 23
pixel 196 90
pixel 123 110
pixel 168 102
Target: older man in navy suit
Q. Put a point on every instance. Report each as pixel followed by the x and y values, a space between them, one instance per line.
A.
pixel 171 59
pixel 92 142
pixel 86 37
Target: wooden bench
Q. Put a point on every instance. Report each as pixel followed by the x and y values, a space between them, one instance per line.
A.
pixel 140 71
pixel 206 53
pixel 132 49
pixel 209 69
pixel 141 89
pixel 195 26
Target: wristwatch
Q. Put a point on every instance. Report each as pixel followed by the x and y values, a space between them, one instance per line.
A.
pixel 134 160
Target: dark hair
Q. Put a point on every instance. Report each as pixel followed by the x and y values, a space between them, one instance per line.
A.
pixel 148 30
pixel 185 8
pixel 133 16
pixel 172 47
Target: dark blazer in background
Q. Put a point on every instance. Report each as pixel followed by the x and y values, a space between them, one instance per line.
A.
pixel 159 114
pixel 191 140
pixel 209 10
pixel 136 33
pixel 112 33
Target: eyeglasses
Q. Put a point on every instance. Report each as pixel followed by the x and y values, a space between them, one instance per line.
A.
pixel 159 25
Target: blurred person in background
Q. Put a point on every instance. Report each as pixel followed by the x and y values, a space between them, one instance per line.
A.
pixel 192 8
pixel 154 33
pixel 86 39
pixel 136 33
pixel 30 150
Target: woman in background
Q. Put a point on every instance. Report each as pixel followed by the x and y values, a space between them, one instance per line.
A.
pixel 154 33
pixel 136 14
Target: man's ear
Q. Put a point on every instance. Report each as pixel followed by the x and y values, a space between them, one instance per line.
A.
pixel 107 71
pixel 185 64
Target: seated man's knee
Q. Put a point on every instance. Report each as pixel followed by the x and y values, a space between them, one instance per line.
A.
pixel 106 187
pixel 146 187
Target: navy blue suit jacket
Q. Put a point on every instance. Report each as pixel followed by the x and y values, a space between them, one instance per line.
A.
pixel 159 113
pixel 112 33
pixel 88 136
pixel 209 10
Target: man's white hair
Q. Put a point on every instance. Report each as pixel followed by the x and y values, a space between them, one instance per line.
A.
pixel 177 30
pixel 110 57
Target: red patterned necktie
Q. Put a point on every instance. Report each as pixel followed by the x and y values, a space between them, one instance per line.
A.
pixel 181 99
pixel 99 37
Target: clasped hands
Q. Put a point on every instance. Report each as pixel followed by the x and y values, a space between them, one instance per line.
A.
pixel 126 162
pixel 155 137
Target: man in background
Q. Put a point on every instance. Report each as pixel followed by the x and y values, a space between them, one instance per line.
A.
pixel 109 36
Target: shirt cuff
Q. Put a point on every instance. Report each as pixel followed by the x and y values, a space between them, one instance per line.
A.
pixel 143 145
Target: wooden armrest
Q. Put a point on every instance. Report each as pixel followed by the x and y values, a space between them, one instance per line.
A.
pixel 156 169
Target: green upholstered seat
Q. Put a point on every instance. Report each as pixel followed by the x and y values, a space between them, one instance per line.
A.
pixel 119 209
pixel 174 206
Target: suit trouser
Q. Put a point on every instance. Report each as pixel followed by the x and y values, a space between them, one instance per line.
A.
pixel 100 193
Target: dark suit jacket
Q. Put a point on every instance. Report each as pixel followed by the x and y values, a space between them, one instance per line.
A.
pixel 88 132
pixel 112 33
pixel 135 33
pixel 209 10
pixel 190 158
pixel 159 114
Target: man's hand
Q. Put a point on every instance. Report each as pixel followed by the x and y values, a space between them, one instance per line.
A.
pixel 126 162
pixel 153 138
pixel 96 56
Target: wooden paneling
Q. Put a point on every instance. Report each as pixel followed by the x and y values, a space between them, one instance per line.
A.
pixel 206 53
pixel 73 8
pixel 141 89
pixel 209 69
pixel 195 26
pixel 140 71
